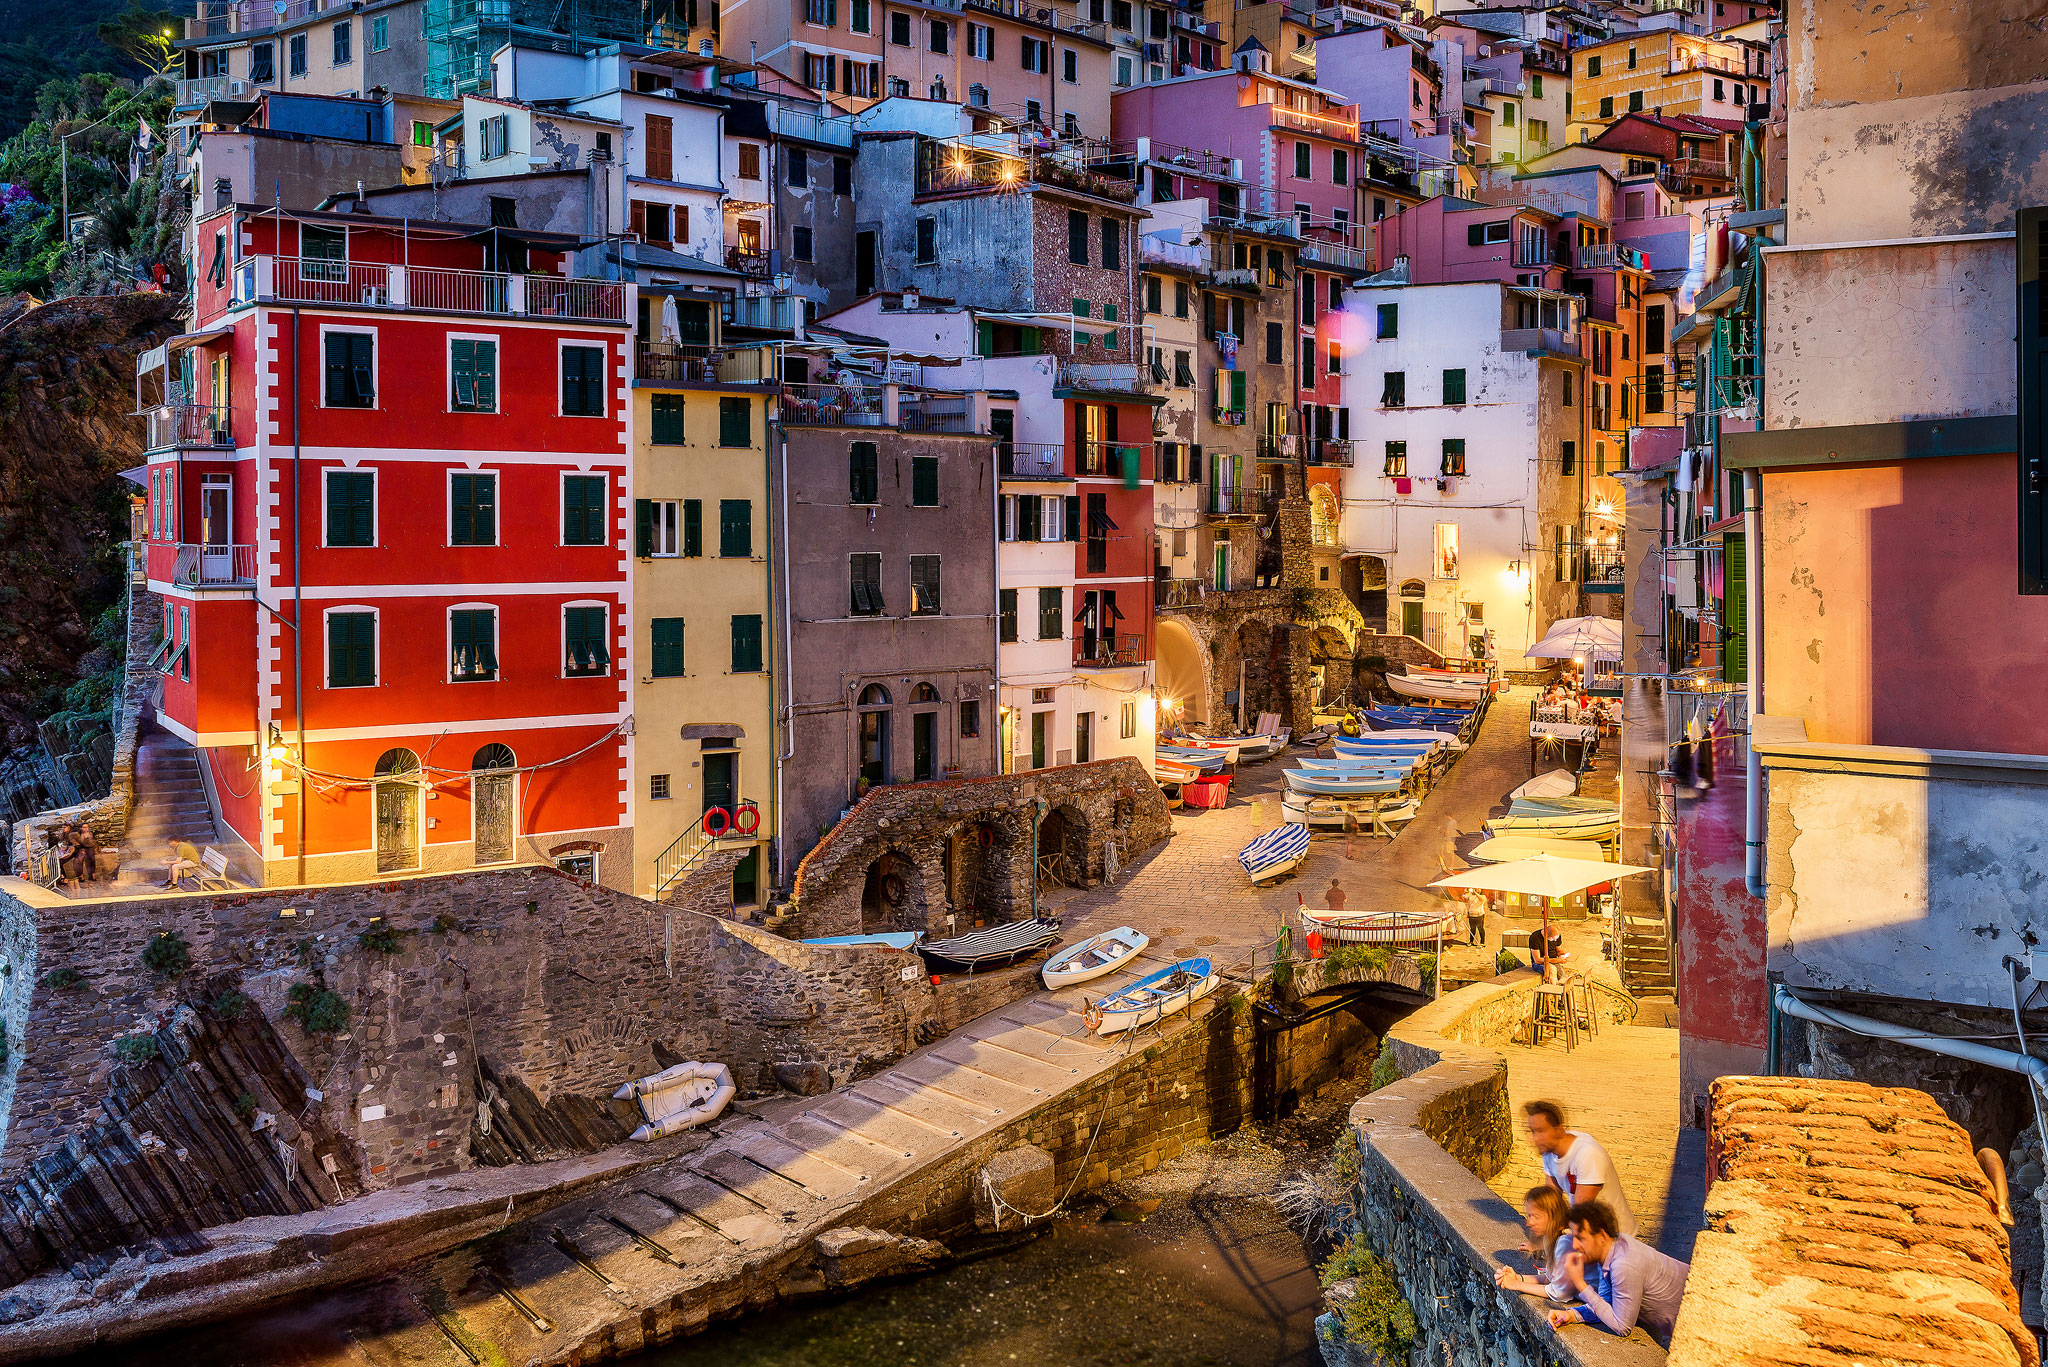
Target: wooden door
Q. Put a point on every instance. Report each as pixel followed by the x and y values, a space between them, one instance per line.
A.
pixel 660 147
pixel 494 817
pixel 398 827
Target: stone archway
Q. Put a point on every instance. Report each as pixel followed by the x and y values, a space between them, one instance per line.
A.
pixel 975 859
pixel 1330 661
pixel 1183 670
pixel 1063 848
pixel 891 897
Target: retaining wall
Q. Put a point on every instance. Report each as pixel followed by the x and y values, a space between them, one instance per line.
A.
pixel 1427 1145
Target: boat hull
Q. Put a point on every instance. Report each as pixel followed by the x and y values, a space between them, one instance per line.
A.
pixel 1384 927
pixel 1338 785
pixel 892 939
pixel 1580 825
pixel 1275 854
pixel 1442 690
pixel 1339 812
pixel 1093 957
pixel 1142 1003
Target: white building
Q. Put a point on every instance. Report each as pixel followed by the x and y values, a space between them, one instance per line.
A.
pixel 1469 417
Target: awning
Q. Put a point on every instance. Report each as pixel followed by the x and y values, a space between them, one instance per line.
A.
pixel 137 474
pixel 1099 521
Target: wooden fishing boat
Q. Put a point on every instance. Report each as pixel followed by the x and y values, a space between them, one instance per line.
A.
pixel 1437 672
pixel 1399 734
pixel 1262 746
pixel 1556 783
pixel 997 947
pixel 1443 690
pixel 889 939
pixel 1161 994
pixel 1362 764
pixel 1382 720
pixel 1507 848
pixel 1174 771
pixel 1223 745
pixel 1343 811
pixel 1341 785
pixel 1385 927
pixel 1275 854
pixel 1558 806
pixel 1571 825
pixel 1093 957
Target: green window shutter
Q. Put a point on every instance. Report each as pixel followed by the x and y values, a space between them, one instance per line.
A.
pixel 1006 614
pixel 583 381
pixel 693 526
pixel 462 368
pixel 1237 390
pixel 351 508
pixel 1454 386
pixel 1109 316
pixel 746 644
pixel 583 520
pixel 1073 521
pixel 1081 307
pixel 735 422
pixel 337 370
pixel 472 654
pixel 643 527
pixel 487 376
pixel 863 479
pixel 461 525
pixel 735 528
pixel 351 649
pixel 668 648
pixel 668 420
pixel 337 509
pixel 1734 609
pixel 924 481
pixel 586 652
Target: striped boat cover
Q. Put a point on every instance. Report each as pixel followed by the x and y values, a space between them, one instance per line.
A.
pixel 994 942
pixel 1276 846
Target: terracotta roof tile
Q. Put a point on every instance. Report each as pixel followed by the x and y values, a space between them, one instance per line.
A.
pixel 1847 1226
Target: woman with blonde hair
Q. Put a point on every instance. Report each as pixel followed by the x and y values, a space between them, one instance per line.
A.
pixel 1543 1215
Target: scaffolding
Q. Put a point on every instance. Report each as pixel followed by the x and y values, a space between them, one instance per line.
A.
pixel 461 35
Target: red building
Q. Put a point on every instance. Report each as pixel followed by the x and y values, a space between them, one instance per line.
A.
pixel 394 581
pixel 1111 456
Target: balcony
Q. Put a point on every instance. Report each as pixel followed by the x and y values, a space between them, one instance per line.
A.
pixel 426 289
pixel 1343 126
pixel 1040 16
pixel 830 405
pixel 686 363
pixel 1005 162
pixel 1275 449
pixel 1601 566
pixel 765 312
pixel 1546 341
pixel 199 91
pixel 1703 168
pixel 1178 593
pixel 749 262
pixel 1336 257
pixel 1227 502
pixel 1330 451
pixel 1110 459
pixel 1032 460
pixel 1113 377
pixel 1157 251
pixel 189 424
pixel 1607 256
pixel 1109 652
pixel 932 411
pixel 214 566
pixel 218 18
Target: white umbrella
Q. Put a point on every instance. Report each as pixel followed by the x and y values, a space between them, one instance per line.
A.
pixel 1541 875
pixel 671 321
pixel 1575 638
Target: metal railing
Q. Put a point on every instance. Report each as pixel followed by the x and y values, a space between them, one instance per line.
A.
pixel 829 405
pixel 197 91
pixel 1124 377
pixel 688 363
pixel 1553 340
pixel 1333 254
pixel 1330 451
pixel 317 280
pixel 766 312
pixel 218 17
pixel 1601 567
pixel 1032 460
pixel 693 844
pixel 1042 16
pixel 1228 502
pixel 1108 651
pixel 1003 161
pixel 1275 447
pixel 934 412
pixel 199 566
pixel 820 128
pixel 189 424
pixel 1178 593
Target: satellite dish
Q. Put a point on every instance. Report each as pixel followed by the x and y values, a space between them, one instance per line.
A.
pixel 280 7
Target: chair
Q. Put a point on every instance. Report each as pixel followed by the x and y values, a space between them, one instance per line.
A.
pixel 1550 1009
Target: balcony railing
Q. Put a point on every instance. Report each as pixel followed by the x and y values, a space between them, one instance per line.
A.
pixel 688 363
pixel 198 91
pixel 1705 168
pixel 1109 652
pixel 214 566
pixel 1330 451
pixel 1229 502
pixel 1121 377
pixel 1276 448
pixel 934 412
pixel 315 280
pixel 189 424
pixel 1101 459
pixel 1606 256
pixel 1336 256
pixel 1178 593
pixel 1156 251
pixel 1553 340
pixel 219 17
pixel 1032 460
pixel 1600 567
pixel 830 405
pixel 766 312
pixel 1004 163
pixel 1042 16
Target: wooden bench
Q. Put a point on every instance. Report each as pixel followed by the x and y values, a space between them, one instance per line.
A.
pixel 215 878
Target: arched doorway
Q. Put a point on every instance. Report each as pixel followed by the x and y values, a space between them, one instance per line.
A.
pixel 873 710
pixel 396 796
pixel 1063 848
pixel 494 803
pixel 1180 671
pixel 924 733
pixel 885 897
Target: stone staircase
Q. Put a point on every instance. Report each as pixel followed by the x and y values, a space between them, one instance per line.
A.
pixel 1644 954
pixel 170 805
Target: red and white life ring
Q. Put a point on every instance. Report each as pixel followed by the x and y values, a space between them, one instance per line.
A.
pixel 1091 1016
pixel 748 819
pixel 724 820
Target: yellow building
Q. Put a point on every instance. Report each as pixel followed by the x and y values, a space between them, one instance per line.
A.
pixel 703 677
pixel 1653 71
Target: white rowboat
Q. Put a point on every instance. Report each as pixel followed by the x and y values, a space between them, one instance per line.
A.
pixel 1146 1000
pixel 1340 811
pixel 1093 957
pixel 1556 783
pixel 1385 927
pixel 1442 690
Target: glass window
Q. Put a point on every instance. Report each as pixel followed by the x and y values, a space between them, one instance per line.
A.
pixel 1394 389
pixel 296 54
pixel 924 585
pixel 666 658
pixel 472 510
pixel 863 484
pixel 351 370
pixel 473 373
pixel 473 645
pixel 746 643
pixel 351 649
pixel 1397 460
pixel 1454 456
pixel 657 525
pixel 1389 320
pixel 584 650
pixel 583 513
pixel 865 575
pixel 351 508
pixel 344 43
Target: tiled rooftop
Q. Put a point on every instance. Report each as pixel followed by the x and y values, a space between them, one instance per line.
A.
pixel 1846 1225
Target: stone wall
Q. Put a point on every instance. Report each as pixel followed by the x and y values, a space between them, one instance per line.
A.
pixel 1271 633
pixel 521 995
pixel 911 854
pixel 1427 1144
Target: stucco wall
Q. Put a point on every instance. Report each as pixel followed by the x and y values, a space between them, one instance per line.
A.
pixel 1931 336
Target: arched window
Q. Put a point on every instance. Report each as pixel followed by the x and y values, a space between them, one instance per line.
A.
pixel 874 695
pixel 924 692
pixel 400 763
pixel 1412 588
pixel 494 756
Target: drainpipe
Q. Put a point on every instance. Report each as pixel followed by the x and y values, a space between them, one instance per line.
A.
pixel 781 445
pixel 298 604
pixel 1788 1002
pixel 1752 636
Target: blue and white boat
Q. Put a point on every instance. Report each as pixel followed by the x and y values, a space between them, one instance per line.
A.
pixel 1146 1000
pixel 1348 812
pixel 1207 761
pixel 1342 785
pixel 1391 747
pixel 1359 765
pixel 1450 722
pixel 888 939
pixel 1275 854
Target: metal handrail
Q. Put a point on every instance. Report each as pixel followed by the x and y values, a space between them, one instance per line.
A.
pixel 673 863
pixel 1032 460
pixel 189 424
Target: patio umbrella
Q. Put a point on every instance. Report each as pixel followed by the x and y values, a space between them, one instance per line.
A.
pixel 671 320
pixel 1541 875
pixel 1597 638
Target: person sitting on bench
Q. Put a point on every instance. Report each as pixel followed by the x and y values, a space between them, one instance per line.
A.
pixel 185 860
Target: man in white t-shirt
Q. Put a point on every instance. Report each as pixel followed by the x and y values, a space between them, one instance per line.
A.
pixel 1575 1164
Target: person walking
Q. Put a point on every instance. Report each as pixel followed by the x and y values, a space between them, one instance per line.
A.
pixel 1575 1163
pixel 1620 1280
pixel 1475 918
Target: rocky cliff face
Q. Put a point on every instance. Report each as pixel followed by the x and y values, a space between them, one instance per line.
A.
pixel 67 391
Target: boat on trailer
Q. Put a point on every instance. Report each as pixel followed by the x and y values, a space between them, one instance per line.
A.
pixel 996 947
pixel 1171 989
pixel 1093 957
pixel 1275 854
pixel 1343 811
pixel 1342 785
